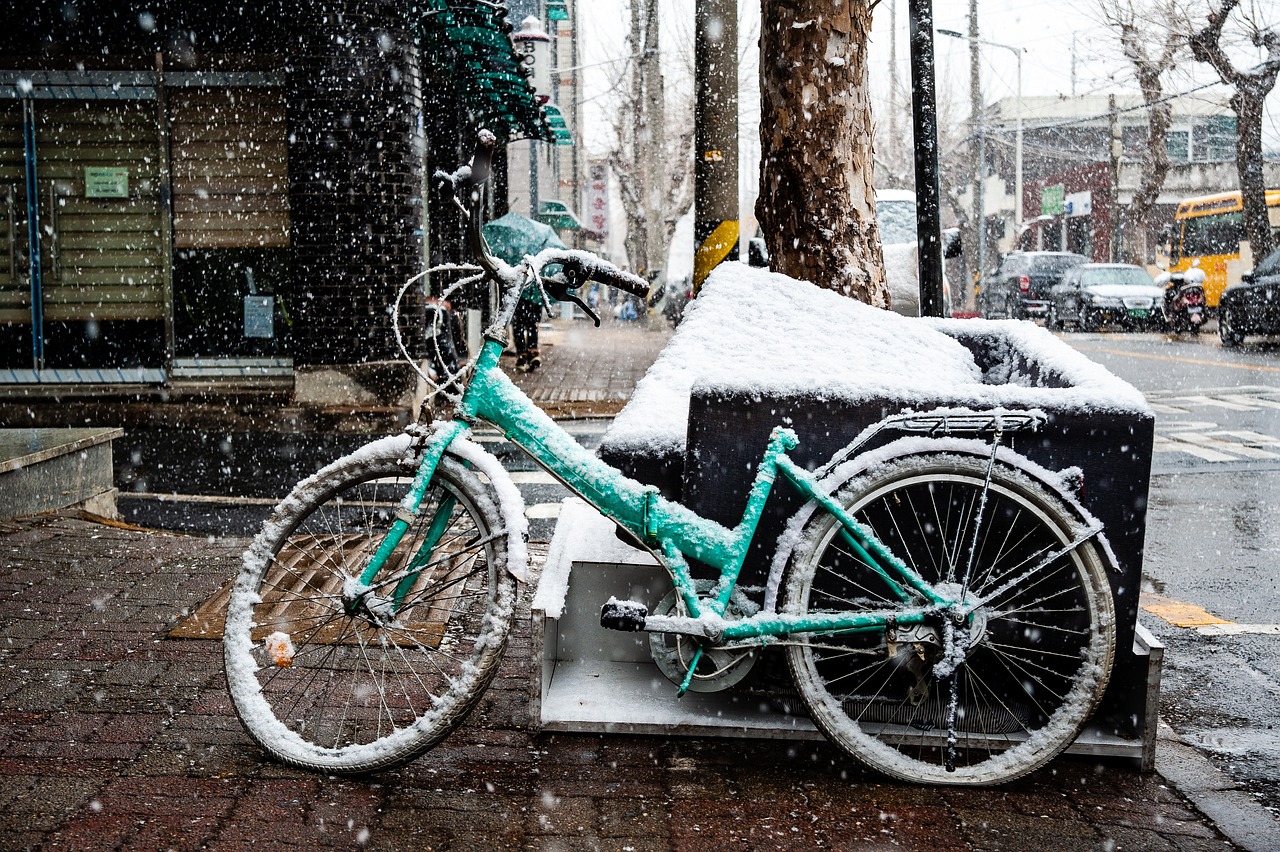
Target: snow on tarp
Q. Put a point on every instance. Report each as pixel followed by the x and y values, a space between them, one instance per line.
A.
pixel 763 333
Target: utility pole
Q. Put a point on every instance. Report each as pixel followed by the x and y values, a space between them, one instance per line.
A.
pixel 1117 148
pixel 715 170
pixel 980 129
pixel 924 115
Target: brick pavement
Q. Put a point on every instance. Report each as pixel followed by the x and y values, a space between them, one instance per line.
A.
pixel 114 736
pixel 588 371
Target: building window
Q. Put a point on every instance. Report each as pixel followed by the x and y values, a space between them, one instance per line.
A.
pixel 1215 139
pixel 1177 144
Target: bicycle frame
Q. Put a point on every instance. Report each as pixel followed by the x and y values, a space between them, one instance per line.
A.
pixel 670 530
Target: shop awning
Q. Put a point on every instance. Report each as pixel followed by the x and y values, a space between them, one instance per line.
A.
pixel 558 215
pixel 559 128
pixel 465 47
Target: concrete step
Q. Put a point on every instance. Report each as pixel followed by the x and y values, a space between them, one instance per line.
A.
pixel 48 469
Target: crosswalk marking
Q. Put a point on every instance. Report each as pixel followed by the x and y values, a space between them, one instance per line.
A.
pixel 533 477
pixel 1251 401
pixel 1251 437
pixel 1247 398
pixel 1205 440
pixel 1230 629
pixel 1163 444
pixel 1216 402
pixel 543 511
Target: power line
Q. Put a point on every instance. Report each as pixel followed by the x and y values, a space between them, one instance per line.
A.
pixel 1068 122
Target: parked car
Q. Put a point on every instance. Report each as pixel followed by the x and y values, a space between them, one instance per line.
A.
pixel 1019 287
pixel 896 216
pixel 1093 294
pixel 1253 305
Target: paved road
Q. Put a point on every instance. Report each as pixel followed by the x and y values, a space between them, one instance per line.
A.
pixel 1213 541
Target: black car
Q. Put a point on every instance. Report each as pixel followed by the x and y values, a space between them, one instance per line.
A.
pixel 1019 287
pixel 1092 294
pixel 1253 305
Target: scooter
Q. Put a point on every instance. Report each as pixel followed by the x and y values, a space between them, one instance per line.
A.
pixel 1184 302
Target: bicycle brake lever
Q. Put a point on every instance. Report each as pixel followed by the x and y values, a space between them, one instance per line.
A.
pixel 569 297
pixel 558 288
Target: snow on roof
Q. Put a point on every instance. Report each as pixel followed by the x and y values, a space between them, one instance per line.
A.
pixel 760 332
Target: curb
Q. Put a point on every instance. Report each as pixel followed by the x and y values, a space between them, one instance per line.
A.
pixel 1222 800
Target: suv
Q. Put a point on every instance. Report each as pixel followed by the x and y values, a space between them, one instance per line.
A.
pixel 1019 287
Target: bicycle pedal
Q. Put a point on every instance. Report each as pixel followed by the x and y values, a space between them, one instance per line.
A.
pixel 627 616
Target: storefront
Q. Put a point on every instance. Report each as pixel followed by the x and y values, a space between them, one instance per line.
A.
pixel 175 216
pixel 1071 212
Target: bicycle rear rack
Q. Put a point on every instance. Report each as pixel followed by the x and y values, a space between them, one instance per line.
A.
pixel 944 422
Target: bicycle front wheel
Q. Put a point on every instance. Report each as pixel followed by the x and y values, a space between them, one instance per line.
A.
pixel 1035 658
pixel 328 675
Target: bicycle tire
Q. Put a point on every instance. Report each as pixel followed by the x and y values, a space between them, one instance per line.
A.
pixel 1040 660
pixel 362 691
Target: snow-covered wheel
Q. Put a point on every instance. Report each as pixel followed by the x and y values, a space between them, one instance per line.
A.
pixel 330 675
pixel 1032 662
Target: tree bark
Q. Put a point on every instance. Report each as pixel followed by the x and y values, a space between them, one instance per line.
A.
pixel 1155 169
pixel 653 169
pixel 1251 89
pixel 817 201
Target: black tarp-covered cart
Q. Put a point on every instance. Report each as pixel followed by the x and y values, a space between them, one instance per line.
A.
pixel 758 350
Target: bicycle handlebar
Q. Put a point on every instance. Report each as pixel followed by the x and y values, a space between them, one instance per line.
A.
pixel 579 267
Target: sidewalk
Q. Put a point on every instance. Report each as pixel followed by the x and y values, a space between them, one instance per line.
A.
pixel 588 371
pixel 115 736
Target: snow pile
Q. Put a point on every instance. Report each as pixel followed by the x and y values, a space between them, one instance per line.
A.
pixel 1064 377
pixel 755 331
pixel 762 333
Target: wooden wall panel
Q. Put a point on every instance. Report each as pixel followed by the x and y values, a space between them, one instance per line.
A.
pixel 15 301
pixel 102 258
pixel 230 168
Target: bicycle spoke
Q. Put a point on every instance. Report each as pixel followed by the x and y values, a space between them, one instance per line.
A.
pixel 1041 622
pixel 369 665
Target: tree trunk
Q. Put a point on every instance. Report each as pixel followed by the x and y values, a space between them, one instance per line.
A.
pixel 1133 220
pixel 1136 41
pixel 652 168
pixel 1247 103
pixel 817 201
pixel 1251 89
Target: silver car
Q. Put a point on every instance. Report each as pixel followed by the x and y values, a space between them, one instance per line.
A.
pixel 1094 294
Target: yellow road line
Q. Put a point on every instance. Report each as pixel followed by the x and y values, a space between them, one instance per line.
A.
pixel 1178 613
pixel 1199 361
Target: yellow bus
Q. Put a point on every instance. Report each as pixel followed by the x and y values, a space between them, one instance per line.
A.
pixel 1207 232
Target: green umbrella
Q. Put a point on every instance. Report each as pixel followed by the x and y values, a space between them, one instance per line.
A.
pixel 513 236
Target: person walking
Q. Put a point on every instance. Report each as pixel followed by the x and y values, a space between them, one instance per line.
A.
pixel 524 328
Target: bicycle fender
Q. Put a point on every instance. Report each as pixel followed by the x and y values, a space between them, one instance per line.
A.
pixel 510 503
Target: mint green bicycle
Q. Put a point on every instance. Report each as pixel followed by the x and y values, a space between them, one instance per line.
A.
pixel 943 604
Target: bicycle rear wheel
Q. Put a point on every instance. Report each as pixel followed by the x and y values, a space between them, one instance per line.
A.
pixel 329 676
pixel 1039 651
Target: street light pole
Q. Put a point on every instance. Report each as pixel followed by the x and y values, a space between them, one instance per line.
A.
pixel 1017 168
